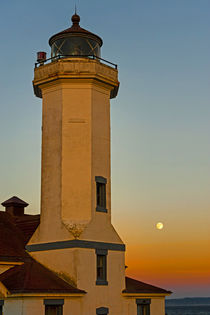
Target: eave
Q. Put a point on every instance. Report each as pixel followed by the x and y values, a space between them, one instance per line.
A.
pixel 12 263
pixel 46 294
pixel 145 295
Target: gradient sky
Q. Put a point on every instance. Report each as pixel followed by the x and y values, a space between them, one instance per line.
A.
pixel 160 125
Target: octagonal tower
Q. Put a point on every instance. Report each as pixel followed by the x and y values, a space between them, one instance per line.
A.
pixel 76 86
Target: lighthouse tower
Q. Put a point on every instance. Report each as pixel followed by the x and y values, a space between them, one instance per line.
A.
pixel 75 237
pixel 75 87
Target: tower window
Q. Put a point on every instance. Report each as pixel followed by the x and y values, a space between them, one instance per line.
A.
pixel 101 194
pixel 101 267
pixel 143 306
pixel 54 307
pixel 102 311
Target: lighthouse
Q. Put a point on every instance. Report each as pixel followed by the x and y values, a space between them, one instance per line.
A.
pixel 76 87
pixel 71 260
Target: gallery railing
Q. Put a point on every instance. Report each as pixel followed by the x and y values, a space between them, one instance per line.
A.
pixel 42 62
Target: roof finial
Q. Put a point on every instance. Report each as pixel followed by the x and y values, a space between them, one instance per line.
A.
pixel 75 18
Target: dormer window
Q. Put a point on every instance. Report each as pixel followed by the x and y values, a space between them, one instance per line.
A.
pixel 101 193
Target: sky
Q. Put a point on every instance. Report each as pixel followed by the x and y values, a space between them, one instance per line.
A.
pixel 160 125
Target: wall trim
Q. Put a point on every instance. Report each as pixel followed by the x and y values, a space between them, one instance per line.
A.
pixel 75 244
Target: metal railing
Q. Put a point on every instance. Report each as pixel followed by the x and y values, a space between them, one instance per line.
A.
pixel 40 63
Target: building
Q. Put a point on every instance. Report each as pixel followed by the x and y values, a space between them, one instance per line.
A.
pixel 70 259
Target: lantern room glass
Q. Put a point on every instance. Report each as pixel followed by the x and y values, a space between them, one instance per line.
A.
pixel 75 46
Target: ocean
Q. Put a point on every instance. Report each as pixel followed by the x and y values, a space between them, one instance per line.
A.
pixel 188 310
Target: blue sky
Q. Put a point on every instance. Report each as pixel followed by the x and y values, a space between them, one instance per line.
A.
pixel 160 119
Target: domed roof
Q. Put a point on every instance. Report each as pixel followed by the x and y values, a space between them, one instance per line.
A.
pixel 75 30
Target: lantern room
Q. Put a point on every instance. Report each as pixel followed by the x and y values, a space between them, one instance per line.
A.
pixel 75 41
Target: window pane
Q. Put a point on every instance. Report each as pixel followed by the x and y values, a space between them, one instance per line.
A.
pixel 101 195
pixel 98 194
pixel 53 310
pixel 143 309
pixel 101 267
pixel 75 45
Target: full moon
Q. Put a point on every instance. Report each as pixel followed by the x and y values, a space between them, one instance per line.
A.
pixel 159 225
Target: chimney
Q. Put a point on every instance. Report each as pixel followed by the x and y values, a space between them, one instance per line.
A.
pixel 15 206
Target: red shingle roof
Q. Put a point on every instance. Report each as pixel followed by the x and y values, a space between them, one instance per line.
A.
pixel 32 277
pixel 27 224
pixel 15 232
pixel 11 240
pixel 135 286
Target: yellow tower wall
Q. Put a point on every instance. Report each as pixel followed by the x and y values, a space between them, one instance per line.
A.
pixel 75 144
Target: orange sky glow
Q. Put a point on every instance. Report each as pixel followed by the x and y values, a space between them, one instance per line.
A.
pixel 170 264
